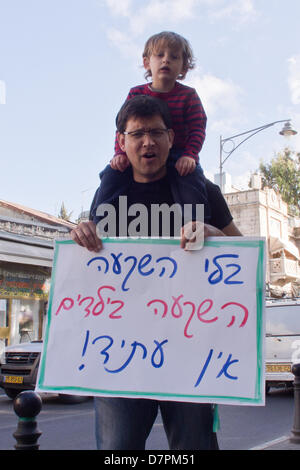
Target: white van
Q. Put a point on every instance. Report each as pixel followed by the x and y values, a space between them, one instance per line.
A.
pixel 282 341
pixel 19 368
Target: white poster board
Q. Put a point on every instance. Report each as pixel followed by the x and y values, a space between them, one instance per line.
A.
pixel 144 318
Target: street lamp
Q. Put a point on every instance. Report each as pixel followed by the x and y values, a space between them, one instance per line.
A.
pixel 286 131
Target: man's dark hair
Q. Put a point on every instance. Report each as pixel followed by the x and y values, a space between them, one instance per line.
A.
pixel 141 106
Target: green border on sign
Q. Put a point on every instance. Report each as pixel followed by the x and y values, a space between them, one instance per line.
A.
pixel 258 243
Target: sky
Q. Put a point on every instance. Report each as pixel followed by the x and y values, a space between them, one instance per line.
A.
pixel 66 67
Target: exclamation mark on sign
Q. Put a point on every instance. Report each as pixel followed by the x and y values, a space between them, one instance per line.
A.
pixel 84 348
pixel 2 92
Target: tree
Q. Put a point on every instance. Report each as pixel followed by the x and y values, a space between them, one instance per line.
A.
pixel 63 214
pixel 283 175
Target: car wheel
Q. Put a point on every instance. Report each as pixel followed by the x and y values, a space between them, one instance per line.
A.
pixel 12 392
pixel 72 399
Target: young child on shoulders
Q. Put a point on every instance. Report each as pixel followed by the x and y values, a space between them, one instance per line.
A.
pixel 167 57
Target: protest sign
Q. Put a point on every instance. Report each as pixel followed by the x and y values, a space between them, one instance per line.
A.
pixel 145 318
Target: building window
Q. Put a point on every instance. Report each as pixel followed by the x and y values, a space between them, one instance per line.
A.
pixel 4 330
pixel 275 227
pixel 25 319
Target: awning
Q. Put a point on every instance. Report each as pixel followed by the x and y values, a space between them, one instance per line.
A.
pixel 276 245
pixel 14 252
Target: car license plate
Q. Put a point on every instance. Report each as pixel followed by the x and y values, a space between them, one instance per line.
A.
pixel 13 379
pixel 278 368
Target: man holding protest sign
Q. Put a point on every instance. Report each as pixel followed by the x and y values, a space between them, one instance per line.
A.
pixel 145 134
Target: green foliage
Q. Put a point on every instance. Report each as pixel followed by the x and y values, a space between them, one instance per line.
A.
pixel 283 175
pixel 63 214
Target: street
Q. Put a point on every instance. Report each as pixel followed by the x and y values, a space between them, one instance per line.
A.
pixel 67 427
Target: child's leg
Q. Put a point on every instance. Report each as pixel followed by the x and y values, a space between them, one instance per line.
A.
pixel 113 183
pixel 194 189
pixel 191 187
pixel 174 154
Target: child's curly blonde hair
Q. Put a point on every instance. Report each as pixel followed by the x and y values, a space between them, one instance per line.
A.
pixel 174 41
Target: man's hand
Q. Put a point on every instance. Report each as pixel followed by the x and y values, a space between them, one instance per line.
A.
pixel 85 235
pixel 119 162
pixel 194 233
pixel 185 165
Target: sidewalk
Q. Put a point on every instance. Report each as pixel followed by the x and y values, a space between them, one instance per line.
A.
pixel 282 443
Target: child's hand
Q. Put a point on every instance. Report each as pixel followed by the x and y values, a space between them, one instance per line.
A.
pixel 119 162
pixel 185 165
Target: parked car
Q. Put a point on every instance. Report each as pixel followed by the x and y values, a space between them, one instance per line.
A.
pixel 282 341
pixel 19 368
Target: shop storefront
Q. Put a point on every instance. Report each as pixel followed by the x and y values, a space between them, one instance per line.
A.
pixel 23 297
pixel 25 272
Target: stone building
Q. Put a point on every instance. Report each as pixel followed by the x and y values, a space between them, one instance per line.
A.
pixel 26 252
pixel 262 212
